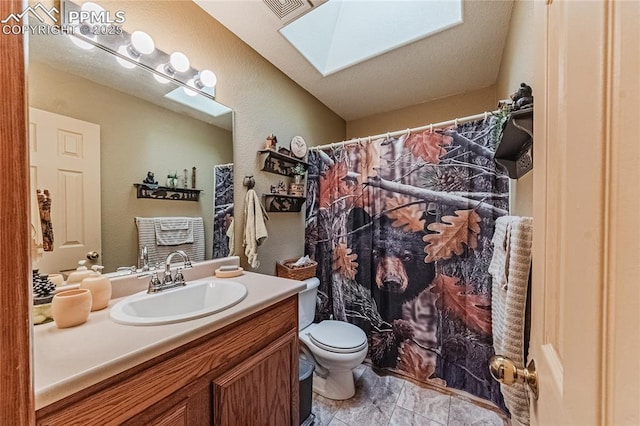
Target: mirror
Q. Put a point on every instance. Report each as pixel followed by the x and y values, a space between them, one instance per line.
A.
pixel 142 127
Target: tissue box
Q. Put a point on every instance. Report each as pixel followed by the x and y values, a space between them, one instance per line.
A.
pixel 300 273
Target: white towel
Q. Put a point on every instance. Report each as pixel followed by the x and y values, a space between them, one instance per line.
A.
pixel 173 231
pixel 509 269
pixel 231 236
pixel 173 223
pixel 157 253
pixel 255 229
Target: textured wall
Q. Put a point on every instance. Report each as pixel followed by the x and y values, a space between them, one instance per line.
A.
pixel 264 100
pixel 439 110
pixel 518 55
pixel 136 136
pixel 517 67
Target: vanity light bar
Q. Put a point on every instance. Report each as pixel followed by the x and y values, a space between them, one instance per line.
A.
pixel 138 49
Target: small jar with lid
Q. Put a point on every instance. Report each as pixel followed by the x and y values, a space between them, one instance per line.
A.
pixel 100 288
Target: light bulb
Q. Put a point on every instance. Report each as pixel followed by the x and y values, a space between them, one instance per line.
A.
pixel 81 43
pixel 141 43
pixel 162 80
pixel 92 7
pixel 188 91
pixel 207 78
pixel 123 51
pixel 179 62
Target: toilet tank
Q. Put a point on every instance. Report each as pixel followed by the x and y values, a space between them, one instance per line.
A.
pixel 307 303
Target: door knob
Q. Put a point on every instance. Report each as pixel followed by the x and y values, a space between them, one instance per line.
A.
pixel 93 255
pixel 504 370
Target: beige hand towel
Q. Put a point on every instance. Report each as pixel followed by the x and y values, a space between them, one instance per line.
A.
pixel 255 229
pixel 509 269
pixel 231 236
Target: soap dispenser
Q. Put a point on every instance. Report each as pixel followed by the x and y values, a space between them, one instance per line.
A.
pixel 99 286
pixel 79 274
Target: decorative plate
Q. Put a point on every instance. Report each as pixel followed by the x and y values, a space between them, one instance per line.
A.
pixel 298 147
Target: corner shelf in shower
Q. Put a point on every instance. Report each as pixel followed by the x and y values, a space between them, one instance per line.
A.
pixel 280 164
pixel 515 149
pixel 282 203
pixel 166 193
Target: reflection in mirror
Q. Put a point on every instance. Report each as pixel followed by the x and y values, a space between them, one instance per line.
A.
pixel 97 128
pixel 223 215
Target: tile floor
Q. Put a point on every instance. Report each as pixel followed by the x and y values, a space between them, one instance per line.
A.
pixel 390 400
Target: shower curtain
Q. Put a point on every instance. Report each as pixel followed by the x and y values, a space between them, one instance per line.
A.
pixel 222 209
pixel 401 229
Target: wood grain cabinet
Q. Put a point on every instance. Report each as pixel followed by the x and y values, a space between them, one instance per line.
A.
pixel 243 374
pixel 258 391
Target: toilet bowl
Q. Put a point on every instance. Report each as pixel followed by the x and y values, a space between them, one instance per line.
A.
pixel 336 347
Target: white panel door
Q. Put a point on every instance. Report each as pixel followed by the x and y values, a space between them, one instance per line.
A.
pixel 65 159
pixel 585 291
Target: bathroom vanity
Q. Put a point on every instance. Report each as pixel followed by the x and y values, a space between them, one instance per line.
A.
pixel 239 366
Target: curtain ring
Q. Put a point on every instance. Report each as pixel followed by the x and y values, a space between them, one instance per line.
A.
pixel 431 128
pixel 455 122
pixel 332 147
pixel 486 115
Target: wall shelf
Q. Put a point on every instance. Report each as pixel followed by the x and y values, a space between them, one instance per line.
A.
pixel 514 151
pixel 283 203
pixel 280 164
pixel 166 193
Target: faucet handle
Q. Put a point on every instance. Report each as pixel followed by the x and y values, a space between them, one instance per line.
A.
pixel 154 283
pixel 179 278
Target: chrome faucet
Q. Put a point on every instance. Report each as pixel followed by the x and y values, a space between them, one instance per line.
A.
pixel 169 281
pixel 129 269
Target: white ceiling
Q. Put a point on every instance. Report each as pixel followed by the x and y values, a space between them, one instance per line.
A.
pixel 460 59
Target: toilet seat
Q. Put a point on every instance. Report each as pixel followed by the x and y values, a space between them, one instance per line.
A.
pixel 338 337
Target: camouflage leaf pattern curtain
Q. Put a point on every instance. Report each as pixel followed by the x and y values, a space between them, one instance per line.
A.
pixel 401 229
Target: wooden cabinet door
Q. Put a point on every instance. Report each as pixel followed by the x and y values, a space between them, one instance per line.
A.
pixel 176 416
pixel 260 390
pixel 189 406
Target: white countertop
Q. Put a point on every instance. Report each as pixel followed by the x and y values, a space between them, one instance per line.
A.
pixel 69 360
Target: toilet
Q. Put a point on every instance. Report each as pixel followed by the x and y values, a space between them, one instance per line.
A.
pixel 335 347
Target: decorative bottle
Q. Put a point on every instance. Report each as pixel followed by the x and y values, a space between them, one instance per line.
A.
pixel 100 288
pixel 79 274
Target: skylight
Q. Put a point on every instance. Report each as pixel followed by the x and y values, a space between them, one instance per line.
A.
pixel 342 33
pixel 200 103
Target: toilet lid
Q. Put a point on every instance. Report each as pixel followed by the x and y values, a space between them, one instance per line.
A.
pixel 338 337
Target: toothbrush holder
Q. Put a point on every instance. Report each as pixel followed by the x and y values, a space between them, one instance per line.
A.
pixel 71 307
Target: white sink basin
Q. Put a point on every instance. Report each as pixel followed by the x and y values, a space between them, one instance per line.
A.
pixel 197 299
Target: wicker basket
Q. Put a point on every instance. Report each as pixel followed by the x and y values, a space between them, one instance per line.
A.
pixel 300 273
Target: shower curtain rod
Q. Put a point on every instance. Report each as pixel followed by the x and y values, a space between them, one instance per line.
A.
pixel 402 132
pixel 224 165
